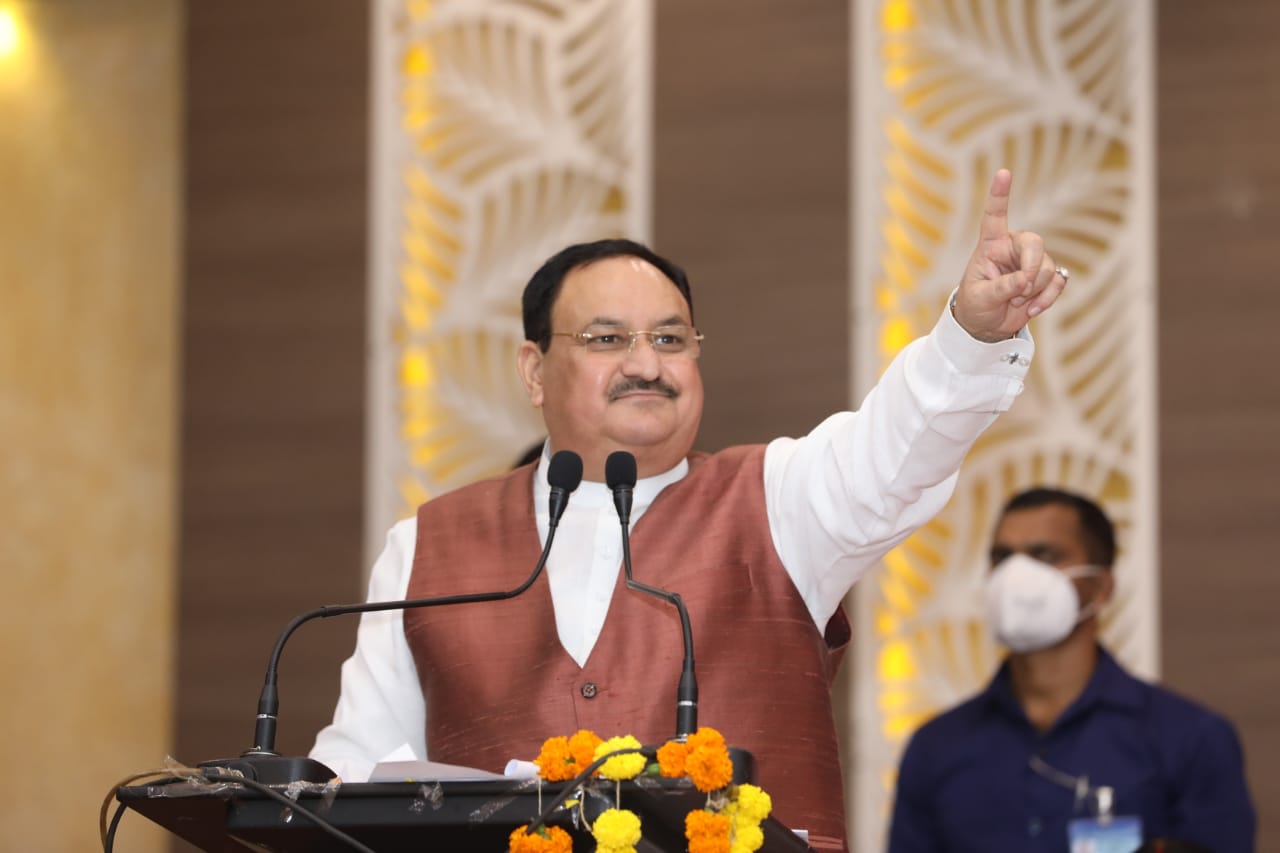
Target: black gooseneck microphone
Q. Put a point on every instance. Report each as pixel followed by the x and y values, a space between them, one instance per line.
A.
pixel 261 761
pixel 620 476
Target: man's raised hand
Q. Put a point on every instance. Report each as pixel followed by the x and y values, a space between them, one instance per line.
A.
pixel 1009 278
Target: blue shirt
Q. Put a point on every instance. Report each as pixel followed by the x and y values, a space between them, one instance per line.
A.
pixel 966 782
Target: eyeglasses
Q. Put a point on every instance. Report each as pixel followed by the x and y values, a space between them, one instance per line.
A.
pixel 665 340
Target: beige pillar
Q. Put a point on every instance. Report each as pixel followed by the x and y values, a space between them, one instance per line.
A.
pixel 89 230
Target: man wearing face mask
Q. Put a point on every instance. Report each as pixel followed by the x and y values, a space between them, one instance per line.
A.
pixel 1064 747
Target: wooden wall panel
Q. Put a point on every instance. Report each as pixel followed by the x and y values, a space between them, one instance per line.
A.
pixel 1219 197
pixel 751 159
pixel 272 428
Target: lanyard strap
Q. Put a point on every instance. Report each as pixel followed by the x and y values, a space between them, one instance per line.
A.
pixel 1102 795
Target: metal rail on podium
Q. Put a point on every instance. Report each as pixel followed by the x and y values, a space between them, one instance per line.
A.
pixel 418 816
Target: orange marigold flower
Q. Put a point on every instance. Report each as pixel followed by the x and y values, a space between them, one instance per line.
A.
pixel 546 839
pixel 709 768
pixel 705 736
pixel 671 756
pixel 583 746
pixel 707 832
pixel 555 762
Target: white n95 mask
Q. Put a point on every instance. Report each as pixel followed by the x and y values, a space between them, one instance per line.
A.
pixel 1031 605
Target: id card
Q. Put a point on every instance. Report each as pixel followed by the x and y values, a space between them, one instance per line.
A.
pixel 1105 835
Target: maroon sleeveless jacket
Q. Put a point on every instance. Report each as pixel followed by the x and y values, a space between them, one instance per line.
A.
pixel 497 681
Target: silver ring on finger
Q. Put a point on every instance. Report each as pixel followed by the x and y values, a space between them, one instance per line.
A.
pixel 1064 272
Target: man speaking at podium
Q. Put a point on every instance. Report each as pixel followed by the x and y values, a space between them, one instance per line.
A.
pixel 761 542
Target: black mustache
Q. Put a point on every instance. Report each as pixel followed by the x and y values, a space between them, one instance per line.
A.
pixel 629 385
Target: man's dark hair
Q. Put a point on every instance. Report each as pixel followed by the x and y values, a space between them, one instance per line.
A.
pixel 541 291
pixel 1096 529
pixel 531 454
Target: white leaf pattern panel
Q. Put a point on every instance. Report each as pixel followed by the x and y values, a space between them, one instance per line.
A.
pixel 503 131
pixel 946 92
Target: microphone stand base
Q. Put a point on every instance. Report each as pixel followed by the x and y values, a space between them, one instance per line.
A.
pixel 274 769
pixel 744 766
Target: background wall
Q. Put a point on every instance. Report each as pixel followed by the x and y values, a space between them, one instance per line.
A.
pixel 1219 213
pixel 750 166
pixel 89 220
pixel 273 372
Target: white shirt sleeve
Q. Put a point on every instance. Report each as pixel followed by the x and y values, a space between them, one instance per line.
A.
pixel 381 707
pixel 842 496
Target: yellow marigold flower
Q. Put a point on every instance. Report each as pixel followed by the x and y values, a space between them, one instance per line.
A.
pixel 671 757
pixel 583 746
pixel 747 839
pixel 555 761
pixel 547 839
pixel 616 828
pixel 709 768
pixel 620 766
pixel 707 832
pixel 753 804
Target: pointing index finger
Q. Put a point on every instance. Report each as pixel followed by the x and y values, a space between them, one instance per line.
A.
pixel 995 215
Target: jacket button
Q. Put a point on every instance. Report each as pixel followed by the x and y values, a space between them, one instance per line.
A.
pixel 589 690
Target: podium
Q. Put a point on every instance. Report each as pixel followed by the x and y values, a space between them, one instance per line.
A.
pixel 417 816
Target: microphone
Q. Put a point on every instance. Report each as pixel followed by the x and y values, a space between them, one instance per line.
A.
pixel 620 476
pixel 261 761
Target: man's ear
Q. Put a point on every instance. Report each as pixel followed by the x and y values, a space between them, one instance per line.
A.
pixel 529 364
pixel 1107 582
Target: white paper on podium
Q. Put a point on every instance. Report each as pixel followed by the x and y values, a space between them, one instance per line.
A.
pixel 418 770
pixel 401 765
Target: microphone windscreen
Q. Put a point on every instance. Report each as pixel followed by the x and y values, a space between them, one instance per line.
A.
pixel 565 470
pixel 620 470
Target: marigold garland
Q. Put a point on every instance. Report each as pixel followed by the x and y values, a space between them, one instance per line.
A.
pixel 671 756
pixel 730 823
pixel 752 803
pixel 563 758
pixel 709 768
pixel 621 766
pixel 704 758
pixel 746 839
pixel 555 761
pixel 706 738
pixel 707 832
pixel 545 839
pixel 616 831
pixel 583 747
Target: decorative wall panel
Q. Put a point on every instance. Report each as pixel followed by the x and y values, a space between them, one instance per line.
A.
pixel 1061 93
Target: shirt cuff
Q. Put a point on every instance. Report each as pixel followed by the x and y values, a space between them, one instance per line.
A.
pixel 1009 358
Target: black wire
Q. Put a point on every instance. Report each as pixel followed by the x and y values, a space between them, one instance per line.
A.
pixel 324 825
pixel 110 839
pixel 320 822
pixel 108 833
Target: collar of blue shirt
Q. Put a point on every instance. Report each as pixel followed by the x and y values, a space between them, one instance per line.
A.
pixel 1110 685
